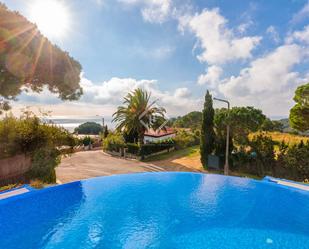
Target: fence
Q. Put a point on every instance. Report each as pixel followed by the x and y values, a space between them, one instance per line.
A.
pixel 13 169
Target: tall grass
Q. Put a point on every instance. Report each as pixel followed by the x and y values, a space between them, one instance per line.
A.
pixel 288 138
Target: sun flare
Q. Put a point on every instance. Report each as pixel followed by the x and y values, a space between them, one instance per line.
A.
pixel 51 17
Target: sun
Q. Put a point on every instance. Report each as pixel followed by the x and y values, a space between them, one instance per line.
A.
pixel 51 17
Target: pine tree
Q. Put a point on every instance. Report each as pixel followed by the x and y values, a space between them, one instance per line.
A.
pixel 207 132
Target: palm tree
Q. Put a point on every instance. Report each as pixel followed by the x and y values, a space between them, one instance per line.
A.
pixel 137 114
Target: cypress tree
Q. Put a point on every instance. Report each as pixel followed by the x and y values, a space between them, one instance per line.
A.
pixel 207 132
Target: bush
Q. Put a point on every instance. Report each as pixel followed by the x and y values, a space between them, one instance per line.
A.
pixel 87 141
pixel 27 135
pixel 44 162
pixel 294 161
pixel 132 148
pixel 113 142
pixel 148 149
pixel 185 139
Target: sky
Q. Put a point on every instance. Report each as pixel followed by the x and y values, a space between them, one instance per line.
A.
pixel 253 53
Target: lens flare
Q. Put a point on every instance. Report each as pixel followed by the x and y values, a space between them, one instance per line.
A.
pixel 51 17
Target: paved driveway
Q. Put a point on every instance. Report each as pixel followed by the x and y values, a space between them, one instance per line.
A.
pixel 86 164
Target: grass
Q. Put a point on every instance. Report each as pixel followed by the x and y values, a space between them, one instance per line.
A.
pixel 187 152
pixel 288 138
pixel 8 187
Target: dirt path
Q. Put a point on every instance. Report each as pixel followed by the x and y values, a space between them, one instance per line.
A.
pixel 187 163
pixel 87 164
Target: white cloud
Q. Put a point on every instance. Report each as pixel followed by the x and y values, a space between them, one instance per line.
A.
pixel 182 93
pixel 211 78
pixel 153 11
pixel 302 36
pixel 268 83
pixel 274 35
pixel 301 15
pixel 219 43
pixel 157 53
pixel 106 96
pixel 242 28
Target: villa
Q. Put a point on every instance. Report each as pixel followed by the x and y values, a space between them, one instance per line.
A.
pixel 157 136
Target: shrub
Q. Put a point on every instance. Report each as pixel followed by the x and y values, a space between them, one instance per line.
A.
pixel 27 135
pixel 185 139
pixel 133 148
pixel 295 162
pixel 113 142
pixel 87 141
pixel 44 162
pixel 147 149
pixel 263 152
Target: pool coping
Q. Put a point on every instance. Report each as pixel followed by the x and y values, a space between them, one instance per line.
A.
pixel 15 191
pixel 286 182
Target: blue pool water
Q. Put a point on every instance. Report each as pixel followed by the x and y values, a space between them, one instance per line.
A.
pixel 158 210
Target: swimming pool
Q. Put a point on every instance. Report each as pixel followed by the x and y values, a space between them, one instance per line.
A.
pixel 158 210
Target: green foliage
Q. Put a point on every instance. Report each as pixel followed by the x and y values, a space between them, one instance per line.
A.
pixel 148 149
pixel 27 135
pixel 184 139
pixel 131 137
pixel 105 133
pixel 272 125
pixel 299 114
pixel 137 111
pixel 89 128
pixel 191 120
pixel 113 142
pixel 242 120
pixel 263 153
pixel 133 148
pixel 207 144
pixel 87 141
pixel 44 162
pixel 28 59
pixel 295 161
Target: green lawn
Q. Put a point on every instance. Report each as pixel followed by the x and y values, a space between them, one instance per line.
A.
pixel 187 152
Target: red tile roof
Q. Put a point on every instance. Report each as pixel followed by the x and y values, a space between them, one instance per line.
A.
pixel 160 133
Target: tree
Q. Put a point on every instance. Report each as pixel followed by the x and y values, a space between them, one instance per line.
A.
pixel 28 60
pixel 105 134
pixel 272 125
pixel 263 149
pixel 89 128
pixel 207 143
pixel 242 120
pixel 299 114
pixel 138 114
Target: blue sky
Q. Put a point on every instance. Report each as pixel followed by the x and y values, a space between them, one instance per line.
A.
pixel 251 52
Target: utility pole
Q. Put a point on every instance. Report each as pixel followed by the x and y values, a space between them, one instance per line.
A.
pixel 226 165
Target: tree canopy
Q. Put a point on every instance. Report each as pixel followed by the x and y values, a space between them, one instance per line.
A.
pixel 89 128
pixel 28 60
pixel 242 120
pixel 191 120
pixel 299 114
